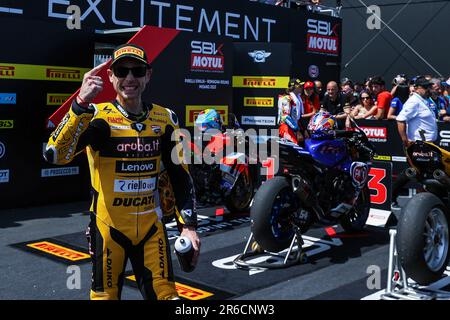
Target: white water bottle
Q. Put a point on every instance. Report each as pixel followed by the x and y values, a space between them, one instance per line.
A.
pixel 184 251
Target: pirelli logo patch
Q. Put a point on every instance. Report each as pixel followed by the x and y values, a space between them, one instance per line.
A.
pixel 58 251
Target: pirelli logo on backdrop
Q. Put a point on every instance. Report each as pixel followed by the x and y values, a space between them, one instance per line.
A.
pixel 258 102
pixel 39 72
pixel 260 82
pixel 59 251
pixel 63 73
pixel 7 71
pixel 6 124
pixel 57 99
pixel 193 111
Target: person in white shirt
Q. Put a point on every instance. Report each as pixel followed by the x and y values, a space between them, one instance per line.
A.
pixel 417 115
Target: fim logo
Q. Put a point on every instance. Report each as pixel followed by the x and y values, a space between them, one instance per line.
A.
pixel 259 56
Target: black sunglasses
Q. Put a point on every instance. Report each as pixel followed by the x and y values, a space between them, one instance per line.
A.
pixel 137 72
pixel 365 98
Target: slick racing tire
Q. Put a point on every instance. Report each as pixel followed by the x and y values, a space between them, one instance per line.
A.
pixel 356 219
pixel 269 215
pixel 241 195
pixel 423 238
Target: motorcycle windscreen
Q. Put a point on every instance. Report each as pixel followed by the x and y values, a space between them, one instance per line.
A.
pixel 327 152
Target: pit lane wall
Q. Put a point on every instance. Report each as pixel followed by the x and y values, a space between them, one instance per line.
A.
pixel 42 63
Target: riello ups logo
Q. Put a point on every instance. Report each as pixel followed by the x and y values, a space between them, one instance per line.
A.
pixel 322 37
pixel 207 56
pixel 63 73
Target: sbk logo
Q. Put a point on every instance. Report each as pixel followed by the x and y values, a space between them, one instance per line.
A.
pixel 208 48
pixel 206 56
pixel 322 28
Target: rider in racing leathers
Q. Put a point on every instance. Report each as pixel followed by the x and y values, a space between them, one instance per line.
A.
pixel 125 142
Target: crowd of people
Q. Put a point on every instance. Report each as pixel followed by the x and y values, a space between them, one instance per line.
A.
pixel 370 99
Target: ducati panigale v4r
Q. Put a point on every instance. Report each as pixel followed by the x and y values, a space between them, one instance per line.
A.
pixel 422 229
pixel 324 182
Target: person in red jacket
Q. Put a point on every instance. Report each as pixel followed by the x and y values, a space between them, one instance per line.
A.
pixel 382 97
pixel 311 102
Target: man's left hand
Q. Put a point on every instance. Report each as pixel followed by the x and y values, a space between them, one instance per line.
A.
pixel 190 232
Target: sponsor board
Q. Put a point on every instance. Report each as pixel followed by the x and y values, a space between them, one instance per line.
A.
pixel 59 251
pixel 207 84
pixel 192 112
pixel 58 172
pixel 8 98
pixel 207 56
pixel 134 185
pixel 322 37
pixel 57 99
pixel 260 82
pixel 4 176
pixel 41 72
pixel 382 158
pixel 376 134
pixel 259 102
pixel 6 124
pixel 259 56
pixel 398 159
pixel 258 120
pixel 185 291
pixel 444 138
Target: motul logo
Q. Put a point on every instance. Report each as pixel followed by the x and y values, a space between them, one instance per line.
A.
pixel 322 44
pixel 63 74
pixel 260 82
pixel 208 62
pixel 7 71
pixel 375 133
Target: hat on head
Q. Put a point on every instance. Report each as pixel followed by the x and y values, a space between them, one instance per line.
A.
pixel 130 51
pixel 422 82
pixel 308 84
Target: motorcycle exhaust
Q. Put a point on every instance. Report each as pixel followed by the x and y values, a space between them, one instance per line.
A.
pixel 301 189
pixel 442 177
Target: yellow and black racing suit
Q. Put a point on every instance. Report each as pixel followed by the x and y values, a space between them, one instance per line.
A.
pixel 125 154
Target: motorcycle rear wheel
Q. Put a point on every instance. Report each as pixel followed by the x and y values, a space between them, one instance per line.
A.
pixel 423 238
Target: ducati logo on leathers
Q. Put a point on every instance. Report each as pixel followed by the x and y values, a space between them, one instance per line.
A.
pixel 139 127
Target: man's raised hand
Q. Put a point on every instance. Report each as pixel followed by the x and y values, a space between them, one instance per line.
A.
pixel 91 85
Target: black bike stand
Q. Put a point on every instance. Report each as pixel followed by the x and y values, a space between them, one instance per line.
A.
pixel 277 260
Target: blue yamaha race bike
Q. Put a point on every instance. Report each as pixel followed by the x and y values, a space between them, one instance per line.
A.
pixel 324 182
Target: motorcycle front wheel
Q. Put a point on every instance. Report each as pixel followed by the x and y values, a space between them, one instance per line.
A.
pixel 271 214
pixel 241 195
pixel 423 238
